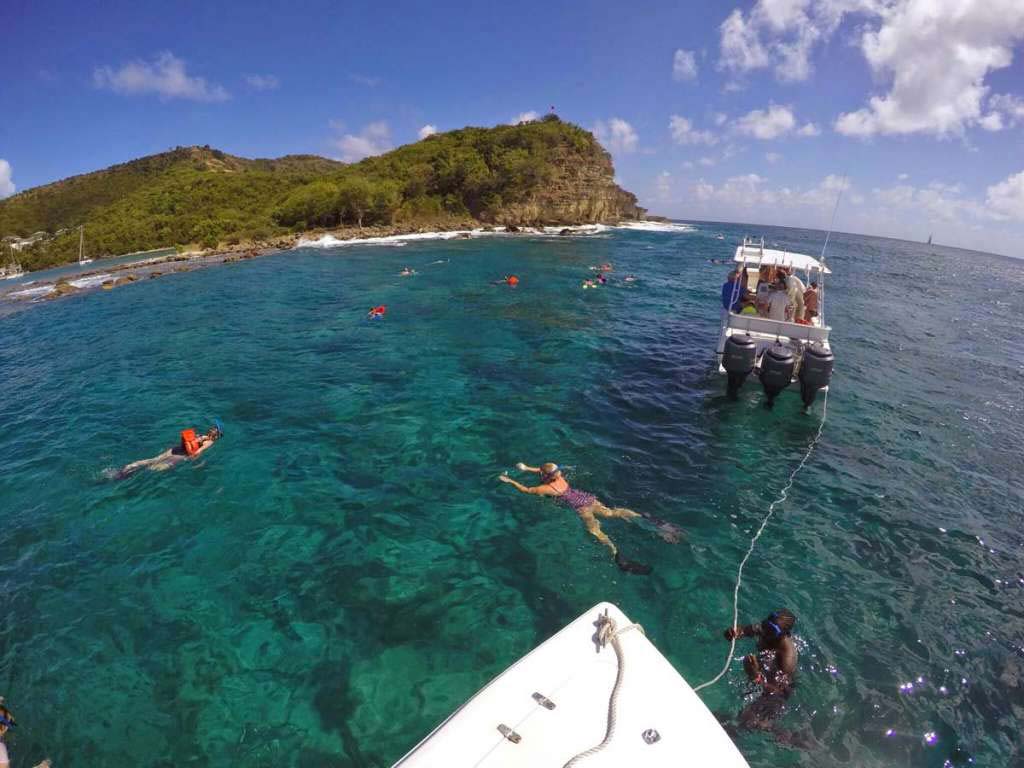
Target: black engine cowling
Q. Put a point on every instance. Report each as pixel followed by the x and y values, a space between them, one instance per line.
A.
pixel 815 371
pixel 738 358
pixel 777 364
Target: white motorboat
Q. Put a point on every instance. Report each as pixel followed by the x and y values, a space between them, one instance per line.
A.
pixel 11 271
pixel 599 687
pixel 780 352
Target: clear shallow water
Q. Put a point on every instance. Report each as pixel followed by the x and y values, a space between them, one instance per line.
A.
pixel 343 570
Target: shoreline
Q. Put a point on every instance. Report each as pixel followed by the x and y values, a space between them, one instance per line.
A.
pixel 394 235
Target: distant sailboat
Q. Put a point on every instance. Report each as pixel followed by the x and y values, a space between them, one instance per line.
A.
pixel 929 240
pixel 81 243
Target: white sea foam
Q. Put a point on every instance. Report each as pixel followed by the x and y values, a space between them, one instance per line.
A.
pixel 657 226
pixel 89 282
pixel 41 290
pixel 330 241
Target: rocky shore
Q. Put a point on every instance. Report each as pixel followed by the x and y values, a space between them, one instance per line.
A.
pixel 162 266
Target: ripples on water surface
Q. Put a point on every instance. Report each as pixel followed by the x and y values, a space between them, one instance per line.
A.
pixel 343 570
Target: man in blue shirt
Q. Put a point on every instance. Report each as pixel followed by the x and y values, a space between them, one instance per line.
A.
pixel 732 293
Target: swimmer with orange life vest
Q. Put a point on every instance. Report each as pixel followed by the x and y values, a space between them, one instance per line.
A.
pixel 191 446
pixel 510 280
pixel 377 312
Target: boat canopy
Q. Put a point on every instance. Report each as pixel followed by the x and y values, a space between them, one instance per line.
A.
pixel 756 256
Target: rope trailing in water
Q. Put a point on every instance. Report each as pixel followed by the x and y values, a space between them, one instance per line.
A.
pixel 750 550
pixel 607 633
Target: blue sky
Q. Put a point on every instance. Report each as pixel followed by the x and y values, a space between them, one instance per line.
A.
pixel 745 111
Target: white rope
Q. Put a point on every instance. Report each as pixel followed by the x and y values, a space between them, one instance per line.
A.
pixel 607 633
pixel 750 550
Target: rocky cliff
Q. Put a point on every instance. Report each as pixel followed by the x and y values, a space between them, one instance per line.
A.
pixel 580 189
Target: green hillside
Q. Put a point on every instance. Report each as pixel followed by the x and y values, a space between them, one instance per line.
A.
pixel 204 196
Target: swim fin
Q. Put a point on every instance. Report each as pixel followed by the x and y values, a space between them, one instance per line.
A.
pixel 631 566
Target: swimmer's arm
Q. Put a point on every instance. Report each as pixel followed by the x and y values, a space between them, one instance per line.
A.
pixel 750 630
pixel 524 468
pixel 539 490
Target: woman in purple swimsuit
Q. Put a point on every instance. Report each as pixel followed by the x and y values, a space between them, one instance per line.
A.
pixel 589 509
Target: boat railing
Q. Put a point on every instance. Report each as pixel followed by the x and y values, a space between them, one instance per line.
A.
pixel 769 327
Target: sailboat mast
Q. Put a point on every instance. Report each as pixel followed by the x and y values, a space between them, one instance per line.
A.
pixel 81 237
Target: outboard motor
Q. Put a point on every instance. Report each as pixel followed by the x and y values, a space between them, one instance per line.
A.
pixel 738 358
pixel 777 365
pixel 815 371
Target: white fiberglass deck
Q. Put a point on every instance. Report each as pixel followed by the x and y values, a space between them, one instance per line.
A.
pixel 569 671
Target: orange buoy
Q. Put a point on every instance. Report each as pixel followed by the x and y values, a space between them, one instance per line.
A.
pixel 512 280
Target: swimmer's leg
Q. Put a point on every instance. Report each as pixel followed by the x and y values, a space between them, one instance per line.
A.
pixel 594 528
pixel 668 531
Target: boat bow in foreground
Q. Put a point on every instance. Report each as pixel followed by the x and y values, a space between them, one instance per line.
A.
pixel 553 705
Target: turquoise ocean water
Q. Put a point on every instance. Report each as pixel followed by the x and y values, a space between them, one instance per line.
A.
pixel 343 569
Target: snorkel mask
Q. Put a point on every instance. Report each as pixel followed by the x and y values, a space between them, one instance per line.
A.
pixel 7 720
pixel 770 628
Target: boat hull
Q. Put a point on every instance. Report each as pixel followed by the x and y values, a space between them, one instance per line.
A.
pixel 660 721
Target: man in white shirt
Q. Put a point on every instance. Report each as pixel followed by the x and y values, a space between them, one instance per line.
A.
pixel 778 301
pixel 795 288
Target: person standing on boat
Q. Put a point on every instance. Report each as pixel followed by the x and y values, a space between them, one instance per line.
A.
pixel 795 289
pixel 778 301
pixel 590 509
pixel 811 301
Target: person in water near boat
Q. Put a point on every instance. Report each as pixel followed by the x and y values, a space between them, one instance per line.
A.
pixel 376 312
pixel 589 284
pixel 407 272
pixel 6 723
pixel 601 278
pixel 191 446
pixel 587 506
pixel 773 669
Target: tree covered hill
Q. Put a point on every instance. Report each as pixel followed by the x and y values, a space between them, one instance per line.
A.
pixel 540 172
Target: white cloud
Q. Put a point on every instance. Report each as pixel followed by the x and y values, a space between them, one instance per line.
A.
pixel 684 133
pixel 933 56
pixel 810 129
pixel 374 139
pixel 773 157
pixel 1009 107
pixel 427 130
pixel 903 176
pixel 263 82
pixel 767 124
pixel 616 135
pixel 781 34
pixel 936 54
pixel 1004 200
pixel 720 118
pixel 707 162
pixel 751 189
pixel 684 65
pixel 741 45
pixel 367 80
pixel 7 187
pixel 525 117
pixel 166 76
pixel 663 185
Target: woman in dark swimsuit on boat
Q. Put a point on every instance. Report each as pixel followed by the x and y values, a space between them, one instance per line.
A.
pixel 589 509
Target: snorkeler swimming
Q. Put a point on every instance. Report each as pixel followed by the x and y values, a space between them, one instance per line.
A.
pixel 589 509
pixel 190 447
pixel 773 668
pixel 407 272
